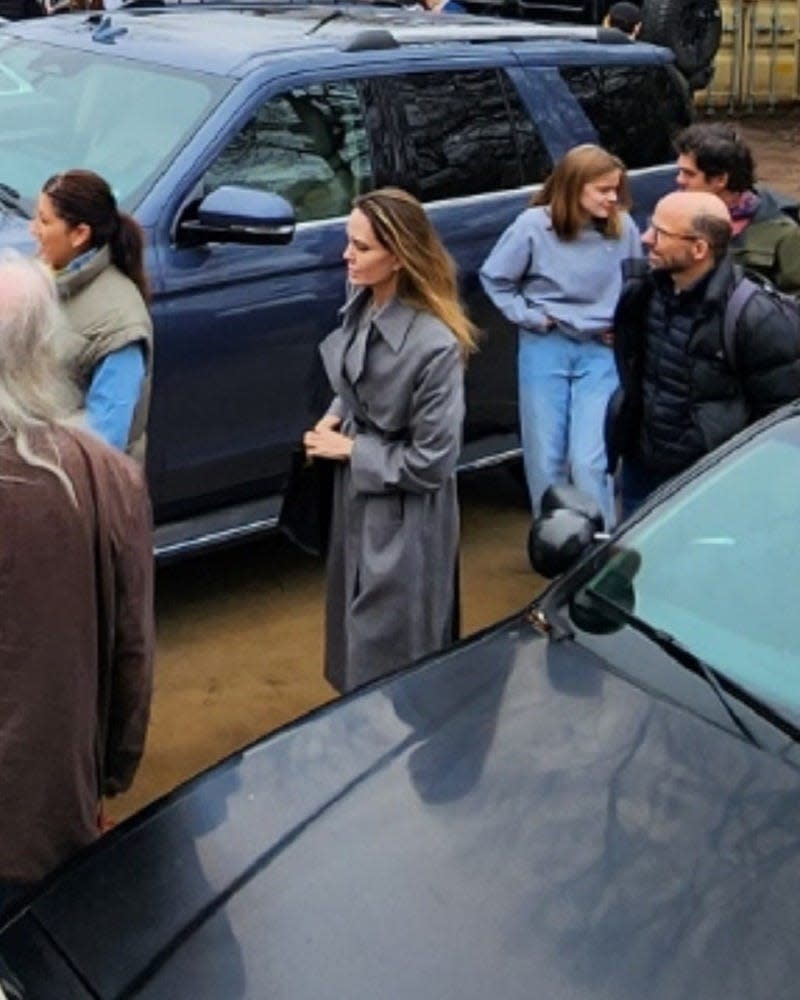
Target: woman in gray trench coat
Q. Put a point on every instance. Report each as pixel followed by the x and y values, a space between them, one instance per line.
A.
pixel 396 366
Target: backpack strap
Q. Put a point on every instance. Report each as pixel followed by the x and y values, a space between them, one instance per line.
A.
pixel 744 290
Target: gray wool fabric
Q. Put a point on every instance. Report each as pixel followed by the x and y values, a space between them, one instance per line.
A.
pixel 394 537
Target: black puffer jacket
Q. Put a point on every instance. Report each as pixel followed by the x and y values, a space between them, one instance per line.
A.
pixel 680 397
pixel 16 10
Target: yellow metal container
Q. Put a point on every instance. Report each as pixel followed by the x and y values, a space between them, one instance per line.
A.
pixel 757 63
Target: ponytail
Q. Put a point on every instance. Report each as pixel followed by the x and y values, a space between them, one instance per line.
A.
pixel 127 252
pixel 82 196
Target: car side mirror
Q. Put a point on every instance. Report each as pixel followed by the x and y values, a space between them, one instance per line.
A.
pixel 239 215
pixel 569 525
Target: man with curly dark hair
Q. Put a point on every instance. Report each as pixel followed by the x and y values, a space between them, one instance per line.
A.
pixel 765 236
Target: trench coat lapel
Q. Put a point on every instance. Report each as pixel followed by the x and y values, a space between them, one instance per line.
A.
pixel 333 347
pixel 392 323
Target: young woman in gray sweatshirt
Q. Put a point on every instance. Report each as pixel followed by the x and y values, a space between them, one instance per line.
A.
pixel 556 273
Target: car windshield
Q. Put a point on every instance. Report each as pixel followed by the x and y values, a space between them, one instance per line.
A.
pixel 715 568
pixel 62 108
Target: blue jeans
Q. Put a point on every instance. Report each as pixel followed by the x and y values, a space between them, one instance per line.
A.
pixel 564 388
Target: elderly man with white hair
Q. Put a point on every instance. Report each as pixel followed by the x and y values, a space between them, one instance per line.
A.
pixel 76 608
pixel 684 388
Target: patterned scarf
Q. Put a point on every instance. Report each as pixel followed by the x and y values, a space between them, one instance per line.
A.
pixel 742 210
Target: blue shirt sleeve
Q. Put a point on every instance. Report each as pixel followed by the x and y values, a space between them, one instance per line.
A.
pixel 113 394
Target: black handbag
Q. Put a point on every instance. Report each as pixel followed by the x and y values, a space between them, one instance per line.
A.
pixel 307 507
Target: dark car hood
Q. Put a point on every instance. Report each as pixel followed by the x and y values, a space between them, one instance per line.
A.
pixel 510 820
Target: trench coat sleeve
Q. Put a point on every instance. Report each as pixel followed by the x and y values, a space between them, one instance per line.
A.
pixel 131 669
pixel 337 408
pixel 503 276
pixel 424 461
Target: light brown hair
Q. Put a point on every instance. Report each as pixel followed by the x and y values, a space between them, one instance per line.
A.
pixel 427 278
pixel 563 188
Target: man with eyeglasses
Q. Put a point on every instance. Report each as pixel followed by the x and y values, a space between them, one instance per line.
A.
pixel 681 395
pixel 713 157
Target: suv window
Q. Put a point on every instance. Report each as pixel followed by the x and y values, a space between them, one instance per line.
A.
pixel 454 134
pixel 636 110
pixel 309 145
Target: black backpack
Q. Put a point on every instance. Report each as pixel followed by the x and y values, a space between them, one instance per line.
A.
pixel 746 287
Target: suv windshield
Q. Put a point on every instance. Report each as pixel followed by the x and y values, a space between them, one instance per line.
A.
pixel 715 568
pixel 62 108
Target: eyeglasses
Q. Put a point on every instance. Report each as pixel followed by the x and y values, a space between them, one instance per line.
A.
pixel 660 231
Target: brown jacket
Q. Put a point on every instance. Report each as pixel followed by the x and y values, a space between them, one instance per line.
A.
pixel 76 646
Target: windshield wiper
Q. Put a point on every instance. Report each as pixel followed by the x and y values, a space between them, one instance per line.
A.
pixel 678 651
pixel 10 198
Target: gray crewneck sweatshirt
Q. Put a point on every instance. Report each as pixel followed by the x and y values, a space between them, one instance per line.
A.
pixel 532 274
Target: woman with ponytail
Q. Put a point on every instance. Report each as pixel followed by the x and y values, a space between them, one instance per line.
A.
pixel 97 255
pixel 396 367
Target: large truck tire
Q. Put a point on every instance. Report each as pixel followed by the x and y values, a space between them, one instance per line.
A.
pixel 691 28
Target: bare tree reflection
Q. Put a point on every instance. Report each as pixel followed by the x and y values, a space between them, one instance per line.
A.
pixel 452 711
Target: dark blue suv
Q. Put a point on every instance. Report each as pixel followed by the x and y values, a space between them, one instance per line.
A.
pixel 239 133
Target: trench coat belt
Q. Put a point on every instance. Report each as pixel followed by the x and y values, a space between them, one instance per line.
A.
pixel 369 428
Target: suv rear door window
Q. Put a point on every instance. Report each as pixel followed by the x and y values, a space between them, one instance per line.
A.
pixel 454 134
pixel 309 145
pixel 636 110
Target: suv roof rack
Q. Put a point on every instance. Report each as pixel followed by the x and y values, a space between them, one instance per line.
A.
pixel 493 30
pixel 496 30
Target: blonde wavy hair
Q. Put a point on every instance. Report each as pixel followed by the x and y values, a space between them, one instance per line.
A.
pixel 427 277
pixel 563 188
pixel 35 393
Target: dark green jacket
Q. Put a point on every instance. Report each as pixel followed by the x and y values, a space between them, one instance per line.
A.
pixel 770 245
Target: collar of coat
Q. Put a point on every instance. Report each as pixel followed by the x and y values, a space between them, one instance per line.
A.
pixel 774 207
pixel 393 321
pixel 70 281
pixel 709 292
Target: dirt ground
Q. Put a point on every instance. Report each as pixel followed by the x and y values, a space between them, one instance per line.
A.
pixel 240 632
pixel 775 141
pixel 239 644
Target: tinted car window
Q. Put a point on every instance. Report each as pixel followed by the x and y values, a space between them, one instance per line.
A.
pixel 309 145
pixel 635 109
pixel 455 134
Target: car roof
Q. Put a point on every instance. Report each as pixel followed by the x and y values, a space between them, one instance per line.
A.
pixel 230 38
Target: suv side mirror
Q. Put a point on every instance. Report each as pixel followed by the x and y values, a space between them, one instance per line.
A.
pixel 239 215
pixel 565 531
